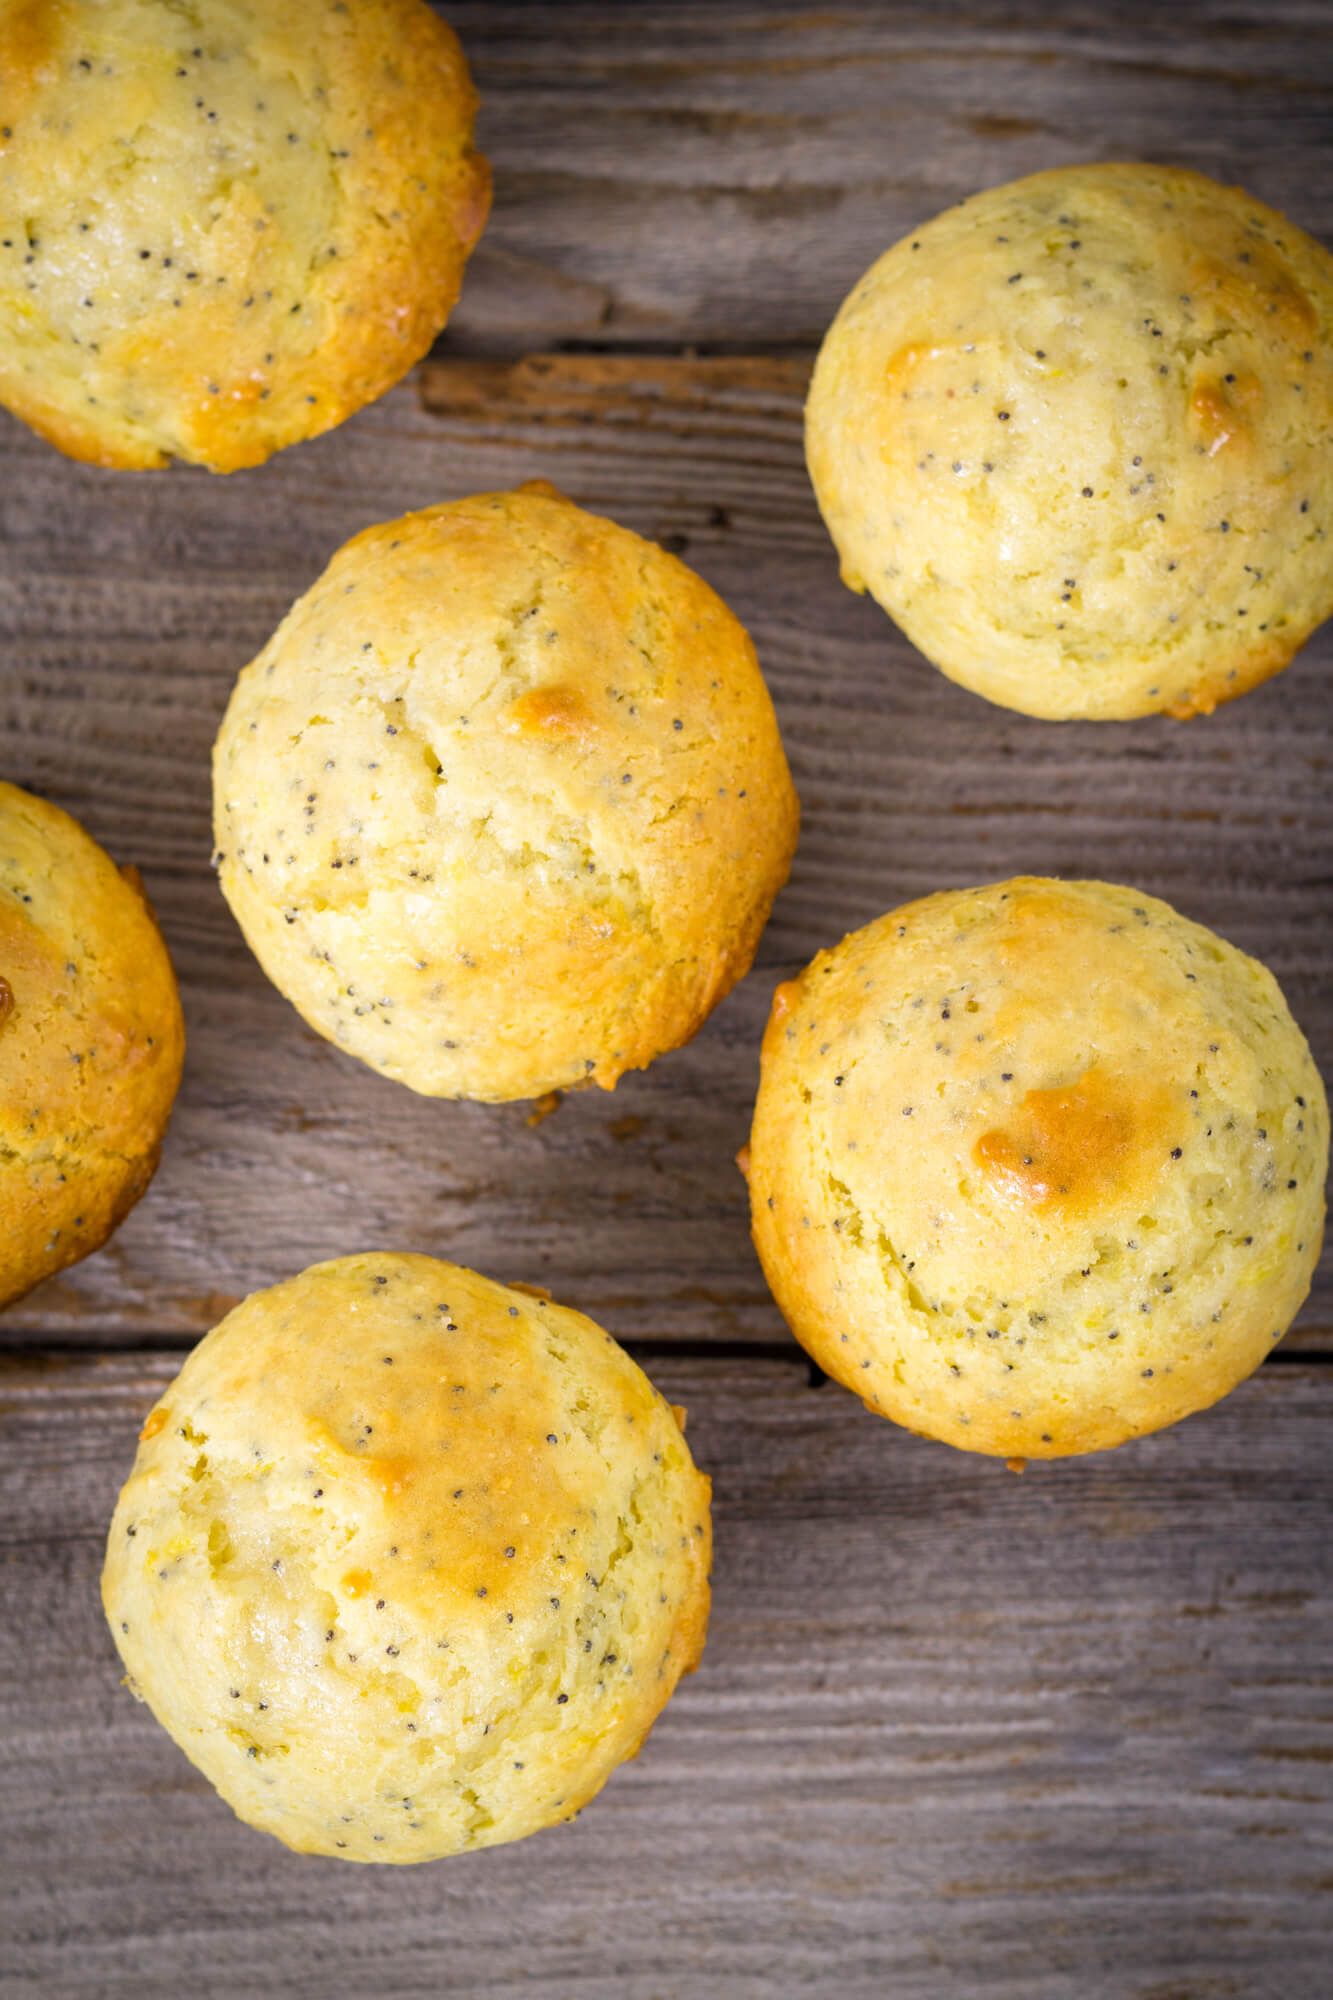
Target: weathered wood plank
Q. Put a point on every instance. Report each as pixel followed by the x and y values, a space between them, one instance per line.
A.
pixel 127 605
pixel 1009 1739
pixel 721 175
pixel 1042 1739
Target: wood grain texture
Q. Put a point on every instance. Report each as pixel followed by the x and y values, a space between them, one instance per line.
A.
pixel 954 1733
pixel 1065 1737
pixel 126 608
pixel 722 174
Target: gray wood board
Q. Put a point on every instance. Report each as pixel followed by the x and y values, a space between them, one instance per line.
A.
pixel 722 174
pixel 127 604
pixel 1063 1737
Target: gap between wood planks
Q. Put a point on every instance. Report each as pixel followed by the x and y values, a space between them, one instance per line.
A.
pixel 797 354
pixel 99 1345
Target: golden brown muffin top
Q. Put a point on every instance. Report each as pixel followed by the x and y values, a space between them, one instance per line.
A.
pixel 91 1040
pixel 409 1560
pixel 1037 1166
pixel 502 806
pixel 223 229
pixel 1073 436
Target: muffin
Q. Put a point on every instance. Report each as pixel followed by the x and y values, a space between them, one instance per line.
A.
pixel 1073 436
pixel 91 1042
pixel 1037 1167
pixel 408 1561
pixel 502 805
pixel 223 228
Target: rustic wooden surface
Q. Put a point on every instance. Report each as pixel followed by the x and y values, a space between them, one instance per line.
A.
pixel 956 1733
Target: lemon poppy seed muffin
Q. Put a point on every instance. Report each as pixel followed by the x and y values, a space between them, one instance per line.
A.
pixel 408 1561
pixel 1073 436
pixel 502 806
pixel 1037 1167
pixel 91 1042
pixel 223 228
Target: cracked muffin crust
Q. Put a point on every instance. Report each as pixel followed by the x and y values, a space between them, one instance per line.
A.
pixel 408 1561
pixel 1037 1167
pixel 91 1042
pixel 502 806
pixel 225 226
pixel 1072 435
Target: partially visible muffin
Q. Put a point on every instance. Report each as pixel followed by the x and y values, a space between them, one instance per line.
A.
pixel 502 806
pixel 1073 435
pixel 408 1561
pixel 225 227
pixel 91 1042
pixel 1037 1167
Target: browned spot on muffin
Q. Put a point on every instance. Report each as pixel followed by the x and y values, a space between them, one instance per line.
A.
pixel 390 1475
pixel 1257 666
pixel 1224 409
pixel 558 713
pixel 904 364
pixel 1077 1145
pixel 542 487
pixel 784 999
pixel 1259 292
pixel 30 45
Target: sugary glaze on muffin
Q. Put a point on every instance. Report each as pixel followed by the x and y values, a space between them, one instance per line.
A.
pixel 224 228
pixel 1073 435
pixel 502 807
pixel 1037 1167
pixel 408 1561
pixel 91 1042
